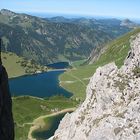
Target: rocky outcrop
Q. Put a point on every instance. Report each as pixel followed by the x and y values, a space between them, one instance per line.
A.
pixel 111 110
pixel 6 118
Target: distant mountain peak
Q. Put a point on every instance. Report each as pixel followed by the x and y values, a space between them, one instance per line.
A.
pixel 7 12
pixel 128 23
pixel 59 19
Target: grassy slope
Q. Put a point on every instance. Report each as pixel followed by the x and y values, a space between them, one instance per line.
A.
pixel 77 63
pixel 76 80
pixel 13 68
pixel 26 109
pixel 17 66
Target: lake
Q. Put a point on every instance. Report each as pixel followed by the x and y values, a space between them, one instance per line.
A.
pixel 42 85
pixel 59 65
pixel 38 85
pixel 52 125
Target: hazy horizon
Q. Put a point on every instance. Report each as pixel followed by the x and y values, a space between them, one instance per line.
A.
pixel 76 15
pixel 70 16
pixel 90 8
pixel 66 15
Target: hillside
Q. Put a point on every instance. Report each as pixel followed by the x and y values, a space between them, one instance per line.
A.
pixel 17 66
pixel 46 41
pixel 76 80
pixel 111 110
pixel 116 50
pixel 26 109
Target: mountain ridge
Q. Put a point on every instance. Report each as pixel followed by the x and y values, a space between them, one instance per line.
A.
pixel 112 103
pixel 47 42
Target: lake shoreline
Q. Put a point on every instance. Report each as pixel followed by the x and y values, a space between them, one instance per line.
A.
pixel 36 81
pixel 39 122
pixel 41 85
pixel 51 67
pixel 51 70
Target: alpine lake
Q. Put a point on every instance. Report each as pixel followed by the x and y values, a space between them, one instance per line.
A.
pixel 42 85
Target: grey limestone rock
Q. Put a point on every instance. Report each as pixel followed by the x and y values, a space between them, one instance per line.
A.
pixel 111 110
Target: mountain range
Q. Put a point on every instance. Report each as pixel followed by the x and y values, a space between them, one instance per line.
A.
pixel 111 107
pixel 56 39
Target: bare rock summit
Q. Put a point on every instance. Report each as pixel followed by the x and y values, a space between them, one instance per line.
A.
pixel 111 110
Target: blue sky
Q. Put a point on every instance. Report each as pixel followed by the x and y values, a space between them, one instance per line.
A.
pixel 113 8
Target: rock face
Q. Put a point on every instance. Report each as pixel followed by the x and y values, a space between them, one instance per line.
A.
pixel 111 110
pixel 6 118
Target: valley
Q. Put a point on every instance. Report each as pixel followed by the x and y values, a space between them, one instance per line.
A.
pixel 116 51
pixel 111 107
pixel 50 63
pixel 39 95
pixel 69 70
pixel 47 41
pixel 75 81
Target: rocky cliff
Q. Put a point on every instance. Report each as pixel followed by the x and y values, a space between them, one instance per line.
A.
pixel 6 118
pixel 111 110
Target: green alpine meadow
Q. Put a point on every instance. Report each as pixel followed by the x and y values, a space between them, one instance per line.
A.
pixel 69 70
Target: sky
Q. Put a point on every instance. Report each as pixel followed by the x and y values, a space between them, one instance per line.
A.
pixel 109 8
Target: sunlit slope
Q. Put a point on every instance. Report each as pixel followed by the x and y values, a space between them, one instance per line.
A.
pixel 10 61
pixel 76 80
pixel 17 66
pixel 26 109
